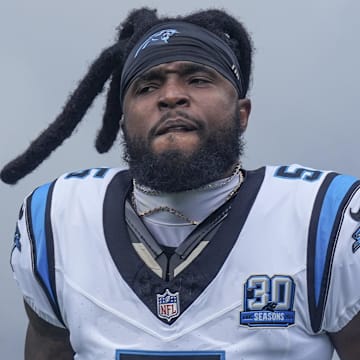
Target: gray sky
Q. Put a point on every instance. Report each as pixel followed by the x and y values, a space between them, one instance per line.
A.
pixel 305 94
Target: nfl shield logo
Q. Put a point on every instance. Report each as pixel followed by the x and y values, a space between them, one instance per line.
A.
pixel 168 305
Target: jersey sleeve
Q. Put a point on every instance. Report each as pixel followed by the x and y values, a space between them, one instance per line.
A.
pixel 343 298
pixel 32 258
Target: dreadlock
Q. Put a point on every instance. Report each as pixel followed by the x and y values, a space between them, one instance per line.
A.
pixel 109 66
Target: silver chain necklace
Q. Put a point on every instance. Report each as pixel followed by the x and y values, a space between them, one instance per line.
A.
pixel 179 214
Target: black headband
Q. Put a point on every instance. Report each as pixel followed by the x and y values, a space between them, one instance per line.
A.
pixel 181 41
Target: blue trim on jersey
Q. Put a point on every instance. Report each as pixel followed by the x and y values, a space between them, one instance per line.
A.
pixel 38 211
pixel 329 211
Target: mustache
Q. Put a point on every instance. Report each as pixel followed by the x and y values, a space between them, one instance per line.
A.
pixel 184 116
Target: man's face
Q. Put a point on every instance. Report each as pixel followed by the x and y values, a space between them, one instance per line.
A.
pixel 179 111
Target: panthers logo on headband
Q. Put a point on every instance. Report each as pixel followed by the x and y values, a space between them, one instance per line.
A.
pixel 268 302
pixel 161 36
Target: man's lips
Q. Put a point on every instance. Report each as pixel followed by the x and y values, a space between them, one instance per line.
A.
pixel 175 125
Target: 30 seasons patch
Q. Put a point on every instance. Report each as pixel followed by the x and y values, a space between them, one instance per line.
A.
pixel 268 301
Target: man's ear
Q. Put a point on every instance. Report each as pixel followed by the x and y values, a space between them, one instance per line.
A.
pixel 245 110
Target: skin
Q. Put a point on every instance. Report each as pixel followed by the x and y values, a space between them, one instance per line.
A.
pixel 45 341
pixel 346 341
pixel 152 101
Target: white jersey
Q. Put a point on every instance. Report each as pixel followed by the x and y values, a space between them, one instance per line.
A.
pixel 279 272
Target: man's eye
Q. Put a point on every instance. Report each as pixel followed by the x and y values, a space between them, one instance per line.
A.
pixel 144 89
pixel 199 81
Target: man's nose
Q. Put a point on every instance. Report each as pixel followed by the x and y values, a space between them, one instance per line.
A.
pixel 173 95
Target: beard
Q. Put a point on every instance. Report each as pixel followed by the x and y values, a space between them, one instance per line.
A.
pixel 174 171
